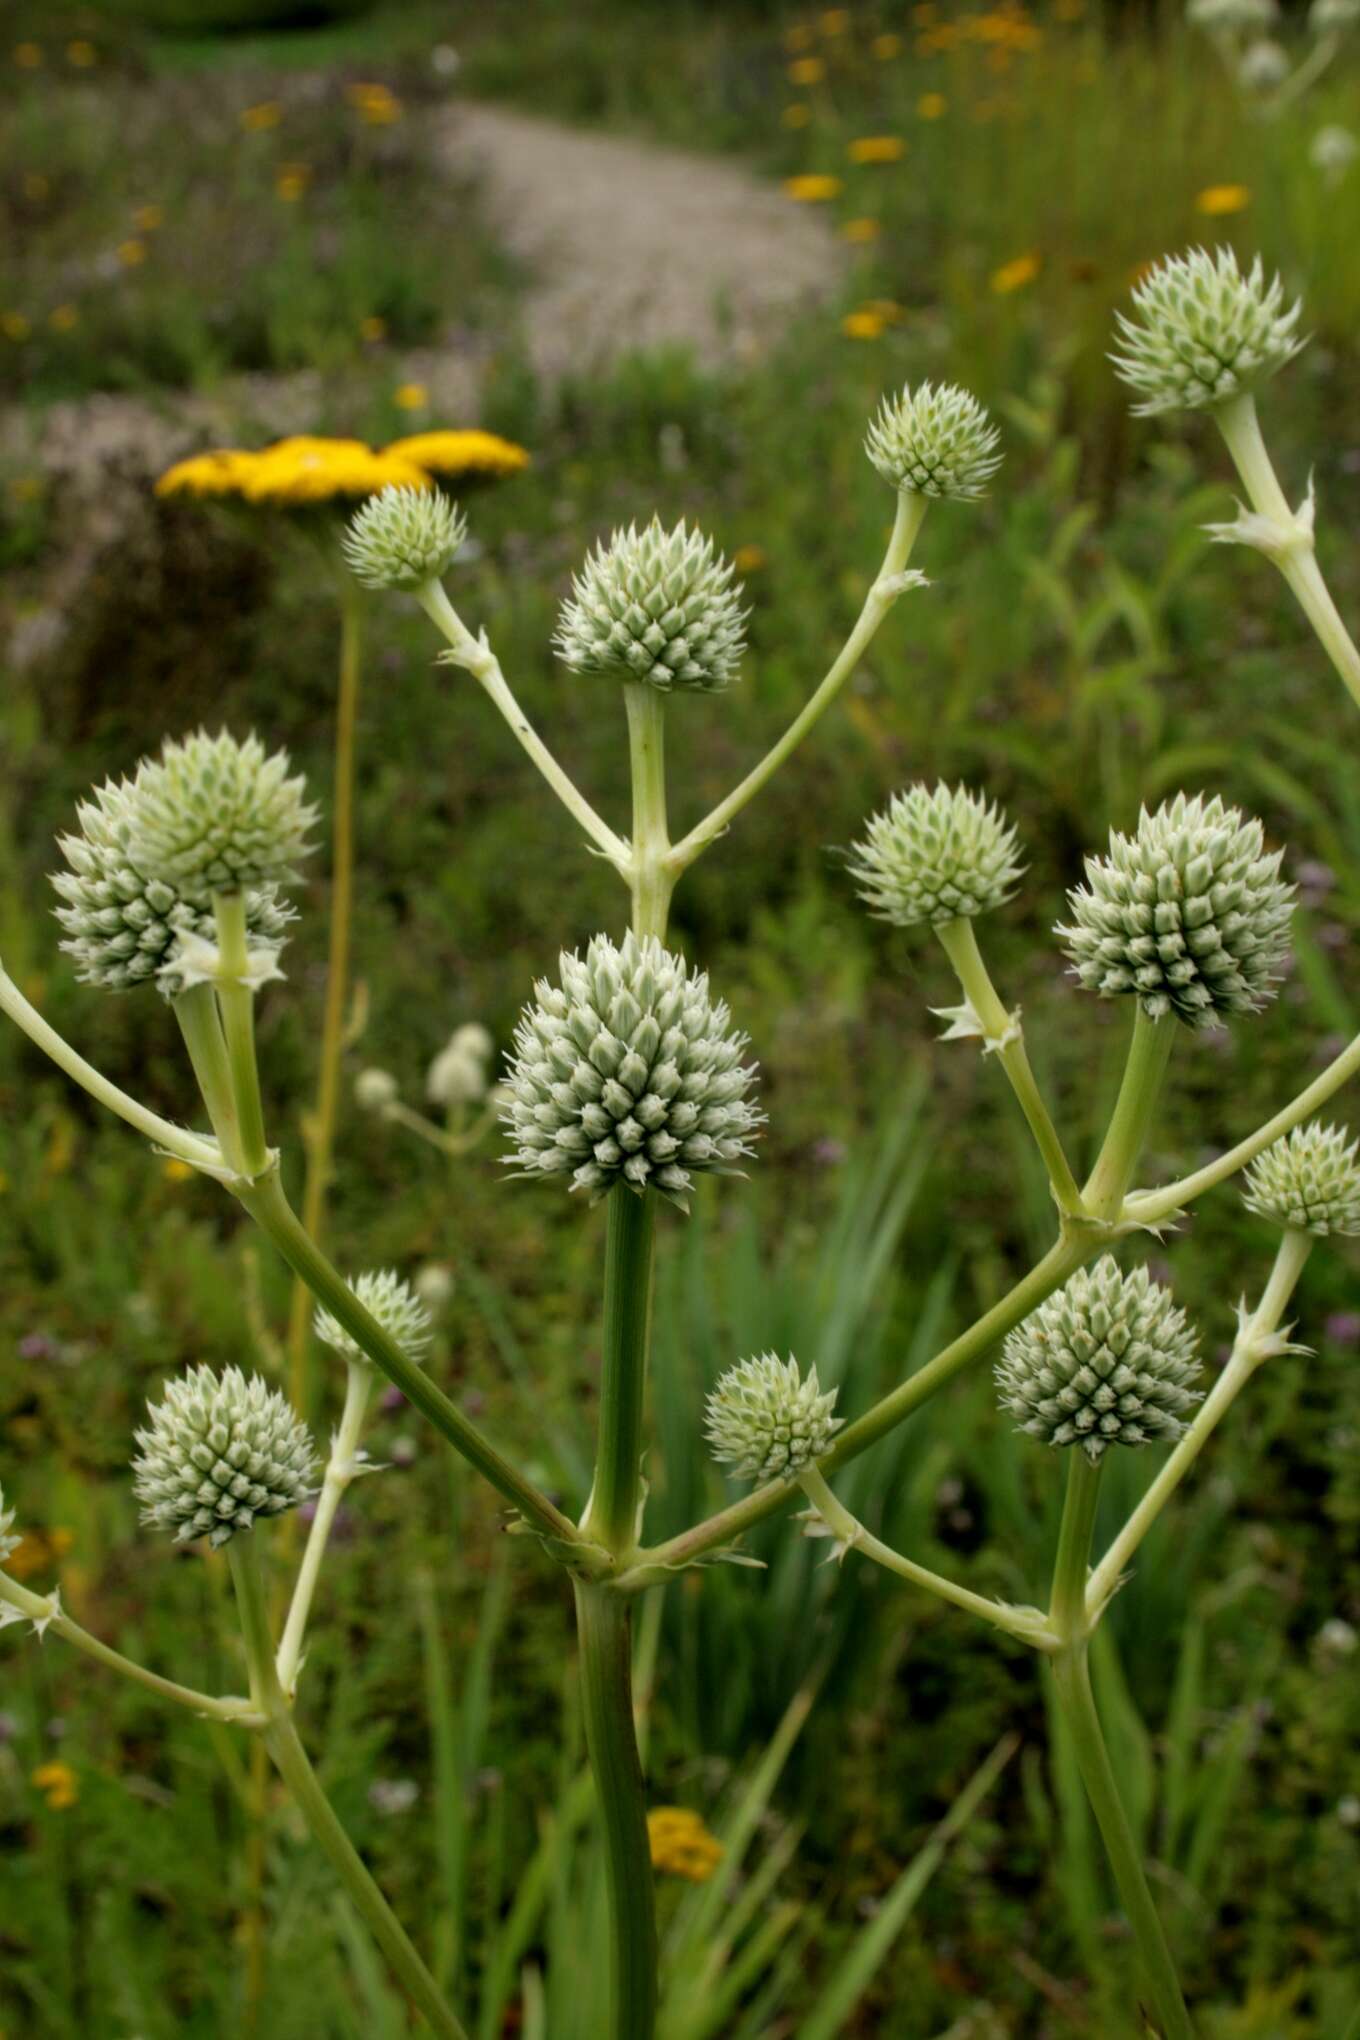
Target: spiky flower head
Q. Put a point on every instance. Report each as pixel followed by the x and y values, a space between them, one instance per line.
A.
pixel 1333 17
pixel 458 1074
pixel 936 854
pixel 629 1073
pixel 1310 1180
pixel 1214 15
pixel 934 440
pixel 212 814
pixel 766 1422
pixel 8 1542
pixel 123 927
pixel 1106 1361
pixel 658 606
pixel 403 538
pixel 375 1090
pixel 398 1310
pixel 1189 914
pixel 220 1451
pixel 1204 332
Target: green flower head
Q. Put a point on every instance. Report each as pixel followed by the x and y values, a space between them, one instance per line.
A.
pixel 655 606
pixel 1309 1180
pixel 219 1452
pixel 766 1421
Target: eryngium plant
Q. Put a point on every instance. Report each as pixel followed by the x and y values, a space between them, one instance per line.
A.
pixel 629 1082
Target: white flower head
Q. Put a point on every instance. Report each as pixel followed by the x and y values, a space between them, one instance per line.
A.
pixel 1204 331
pixel 936 854
pixel 213 814
pixel 934 440
pixel 766 1421
pixel 375 1090
pixel 8 1541
pixel 656 606
pixel 396 1306
pixel 403 538
pixel 1309 1180
pixel 219 1452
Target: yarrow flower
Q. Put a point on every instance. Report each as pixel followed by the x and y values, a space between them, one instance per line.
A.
pixel 936 854
pixel 1189 914
pixel 8 1542
pixel 629 1073
pixel 307 469
pixel 124 928
pixel 1204 332
pixel 655 606
pixel 398 1310
pixel 464 454
pixel 766 1421
pixel 935 441
pixel 1309 1180
pixel 403 538
pixel 212 814
pixel 219 1452
pixel 1106 1361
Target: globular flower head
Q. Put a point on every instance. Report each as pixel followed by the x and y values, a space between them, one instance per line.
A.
pixel 1333 149
pixel 8 1541
pixel 629 1073
pixel 1108 1360
pixel 935 440
pixel 123 927
pixel 766 1421
pixel 1232 14
pixel 375 1090
pixel 1264 65
pixel 458 1074
pixel 398 1310
pixel 1333 17
pixel 655 606
pixel 937 855
pixel 212 814
pixel 1309 1180
pixel 403 538
pixel 1189 914
pixel 219 1452
pixel 1204 331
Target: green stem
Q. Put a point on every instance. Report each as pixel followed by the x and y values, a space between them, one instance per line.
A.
pixel 201 1026
pixel 341 1468
pixel 611 1519
pixel 1067 1602
pixel 652 879
pixel 1149 1051
pixel 294 1767
pixel 602 1620
pixel 236 1002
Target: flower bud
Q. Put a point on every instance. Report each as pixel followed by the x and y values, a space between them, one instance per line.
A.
pixel 766 1422
pixel 935 440
pixel 936 855
pixel 434 1284
pixel 1309 1180
pixel 458 1074
pixel 629 1073
pixel 655 606
pixel 403 538
pixel 398 1310
pixel 1332 151
pixel 1105 1361
pixel 1264 66
pixel 213 815
pixel 1204 332
pixel 375 1090
pixel 8 1542
pixel 1189 914
pixel 219 1452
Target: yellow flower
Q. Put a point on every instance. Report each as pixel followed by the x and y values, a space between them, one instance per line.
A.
pixel 372 328
pixel 471 452
pixel 806 71
pixel 63 318
pixel 1014 275
pixel 255 119
pixel 378 105
pixel 1218 199
pixel 931 105
pixel 411 396
pixel 304 470
pixel 14 326
pixel 835 21
pixel 749 559
pixel 886 47
pixel 812 189
pixel 147 218
pixel 291 182
pixel 28 56
pixel 131 253
pixel 865 324
pixel 877 149
pixel 220 473
pixel 81 55
pixel 38 1551
pixel 681 1846
pixel 797 115
pixel 860 231
pixel 176 1171
pixel 57 1783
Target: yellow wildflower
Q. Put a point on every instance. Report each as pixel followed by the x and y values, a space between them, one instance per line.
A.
pixel 378 105
pixel 864 324
pixel 749 559
pixel 861 230
pixel 81 55
pixel 63 318
pixel 176 1171
pixel 877 149
pixel 470 452
pixel 886 47
pixel 132 253
pixel 222 472
pixel 411 396
pixel 1218 199
pixel 836 21
pixel 797 115
pixel 304 470
pixel 681 1846
pixel 267 114
pixel 292 182
pixel 14 326
pixel 931 105
pixel 28 56
pixel 1014 275
pixel 806 71
pixel 812 189
pixel 147 218
pixel 57 1783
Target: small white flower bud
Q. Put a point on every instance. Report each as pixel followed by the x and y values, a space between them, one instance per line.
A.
pixel 1204 332
pixel 1212 15
pixel 398 1310
pixel 1332 151
pixel 1264 66
pixel 375 1089
pixel 1189 914
pixel 1310 1179
pixel 458 1074
pixel 938 855
pixel 766 1422
pixel 8 1542
pixel 655 606
pixel 629 1073
pixel 403 538
pixel 214 815
pixel 935 440
pixel 219 1452
pixel 1106 1361
pixel 1333 17
pixel 434 1284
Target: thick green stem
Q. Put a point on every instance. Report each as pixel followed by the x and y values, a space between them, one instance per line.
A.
pixel 1149 1051
pixel 1067 1602
pixel 629 1245
pixel 201 1026
pixel 602 1621
pixel 652 879
pixel 236 1001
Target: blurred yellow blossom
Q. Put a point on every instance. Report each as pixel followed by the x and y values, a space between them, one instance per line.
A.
pixel 81 55
pixel 861 230
pixel 749 559
pixel 377 104
pixel 14 326
pixel 886 47
pixel 1014 275
pixel 28 56
pixel 38 1551
pixel 132 253
pixel 292 181
pixel 373 328
pixel 807 71
pixel 865 324
pixel 681 1846
pixel 63 318
pixel 797 115
pixel 411 396
pixel 267 114
pixel 877 149
pixel 812 188
pixel 304 470
pixel 1218 199
pixel 57 1783
pixel 931 105
pixel 469 452
pixel 176 1171
pixel 220 473
pixel 835 21
pixel 147 218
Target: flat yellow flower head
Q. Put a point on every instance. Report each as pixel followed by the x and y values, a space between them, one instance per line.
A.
pixel 1216 201
pixel 460 453
pixel 812 188
pixel 222 472
pixel 304 470
pixel 877 149
pixel 1014 275
pixel 680 1844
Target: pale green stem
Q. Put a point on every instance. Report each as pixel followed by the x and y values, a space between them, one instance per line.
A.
pixel 1002 1037
pixel 1149 1050
pixel 1028 1624
pixel 1306 75
pixel 342 1467
pixel 1068 1599
pixel 200 1023
pixel 477 658
pixel 1293 553
pixel 652 879
pixel 911 510
pixel 176 1140
pixel 451 1144
pixel 1255 1342
pixel 294 1767
pixel 46 1612
pixel 236 1001
pixel 611 1519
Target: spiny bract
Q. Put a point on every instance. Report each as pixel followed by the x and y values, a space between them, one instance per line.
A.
pixel 936 854
pixel 219 1452
pixel 1310 1179
pixel 1189 914
pixel 8 1542
pixel 657 606
pixel 766 1422
pixel 628 1072
pixel 122 927
pixel 403 538
pixel 397 1308
pixel 212 814
pixel 935 441
pixel 1204 331
pixel 1106 1361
